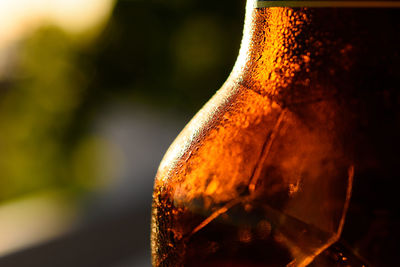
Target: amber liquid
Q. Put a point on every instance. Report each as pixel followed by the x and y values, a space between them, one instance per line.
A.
pixel 240 237
pixel 295 160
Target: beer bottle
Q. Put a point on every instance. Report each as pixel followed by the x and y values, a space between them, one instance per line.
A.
pixel 294 161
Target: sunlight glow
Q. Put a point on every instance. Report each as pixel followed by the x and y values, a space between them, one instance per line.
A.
pixel 19 17
pixel 34 219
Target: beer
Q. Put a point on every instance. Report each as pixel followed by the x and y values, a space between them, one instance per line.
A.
pixel 294 161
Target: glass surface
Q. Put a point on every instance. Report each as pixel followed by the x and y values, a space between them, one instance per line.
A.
pixel 297 151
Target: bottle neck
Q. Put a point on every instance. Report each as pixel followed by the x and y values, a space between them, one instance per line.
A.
pixel 305 54
pixel 272 54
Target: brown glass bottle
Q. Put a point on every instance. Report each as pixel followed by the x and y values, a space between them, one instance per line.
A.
pixel 297 155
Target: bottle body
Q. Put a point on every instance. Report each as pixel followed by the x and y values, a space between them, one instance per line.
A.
pixel 279 164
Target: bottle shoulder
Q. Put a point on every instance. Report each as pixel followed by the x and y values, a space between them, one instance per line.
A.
pixel 230 113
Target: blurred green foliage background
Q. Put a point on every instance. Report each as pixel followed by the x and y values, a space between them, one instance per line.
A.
pixel 170 55
pixel 85 117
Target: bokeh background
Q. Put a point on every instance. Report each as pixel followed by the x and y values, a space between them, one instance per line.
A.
pixel 91 95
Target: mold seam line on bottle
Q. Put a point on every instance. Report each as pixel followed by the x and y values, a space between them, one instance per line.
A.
pixel 336 236
pixel 215 215
pixel 324 4
pixel 266 149
pixel 348 197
